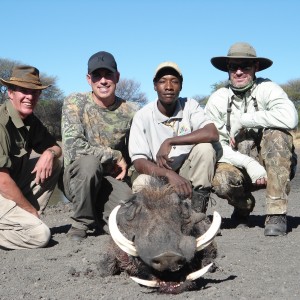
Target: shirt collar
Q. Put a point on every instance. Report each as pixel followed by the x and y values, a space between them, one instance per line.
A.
pixel 178 113
pixel 15 117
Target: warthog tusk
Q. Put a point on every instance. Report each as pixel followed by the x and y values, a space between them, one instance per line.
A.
pixel 125 244
pixel 205 239
pixel 199 273
pixel 155 283
pixel 149 283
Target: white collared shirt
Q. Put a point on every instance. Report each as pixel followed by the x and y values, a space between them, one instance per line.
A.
pixel 149 130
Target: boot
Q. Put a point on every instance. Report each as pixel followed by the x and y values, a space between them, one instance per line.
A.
pixel 240 218
pixel 200 199
pixel 275 225
pixel 76 234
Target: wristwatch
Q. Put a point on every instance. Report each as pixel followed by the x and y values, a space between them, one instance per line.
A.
pixel 53 152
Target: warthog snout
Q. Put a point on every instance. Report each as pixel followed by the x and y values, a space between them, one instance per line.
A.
pixel 168 261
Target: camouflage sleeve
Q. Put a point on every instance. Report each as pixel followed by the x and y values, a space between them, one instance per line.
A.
pixel 74 141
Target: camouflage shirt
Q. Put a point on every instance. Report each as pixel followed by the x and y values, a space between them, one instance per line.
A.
pixel 88 129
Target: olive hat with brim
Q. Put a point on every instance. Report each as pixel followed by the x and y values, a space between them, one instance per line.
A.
pixel 26 77
pixel 240 51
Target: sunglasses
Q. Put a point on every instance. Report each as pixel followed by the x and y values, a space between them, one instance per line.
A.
pixel 247 66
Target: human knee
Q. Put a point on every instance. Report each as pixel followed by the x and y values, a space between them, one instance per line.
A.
pixel 39 236
pixel 277 151
pixel 204 149
pixel 88 166
pixel 227 180
pixel 276 143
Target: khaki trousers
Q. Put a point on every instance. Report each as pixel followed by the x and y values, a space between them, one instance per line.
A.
pixel 20 229
pixel 198 168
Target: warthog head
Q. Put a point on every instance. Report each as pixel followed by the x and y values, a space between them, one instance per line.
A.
pixel 160 241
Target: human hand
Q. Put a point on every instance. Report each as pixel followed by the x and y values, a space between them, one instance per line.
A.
pixel 122 167
pixel 162 156
pixel 182 186
pixel 256 172
pixel 262 182
pixel 44 167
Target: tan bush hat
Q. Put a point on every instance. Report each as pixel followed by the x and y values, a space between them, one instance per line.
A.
pixel 243 51
pixel 167 64
pixel 26 77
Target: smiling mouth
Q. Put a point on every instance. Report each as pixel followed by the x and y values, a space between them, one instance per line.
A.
pixel 26 104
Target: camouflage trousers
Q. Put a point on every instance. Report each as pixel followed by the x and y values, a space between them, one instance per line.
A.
pixel 275 151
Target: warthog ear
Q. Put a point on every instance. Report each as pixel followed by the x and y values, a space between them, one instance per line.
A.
pixel 129 200
pixel 185 208
pixel 132 207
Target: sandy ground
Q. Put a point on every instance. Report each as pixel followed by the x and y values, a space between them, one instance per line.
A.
pixel 251 266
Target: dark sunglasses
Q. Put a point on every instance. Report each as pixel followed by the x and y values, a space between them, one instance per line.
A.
pixel 247 66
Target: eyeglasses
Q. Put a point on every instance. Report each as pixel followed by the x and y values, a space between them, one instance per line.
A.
pixel 247 66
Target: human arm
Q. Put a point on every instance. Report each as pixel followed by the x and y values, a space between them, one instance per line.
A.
pixel 141 149
pixel 207 134
pixel 181 185
pixel 10 190
pixel 45 144
pixel 83 126
pixel 275 110
pixel 254 169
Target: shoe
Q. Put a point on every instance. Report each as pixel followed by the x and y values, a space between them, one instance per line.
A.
pixel 275 225
pixel 76 234
pixel 240 219
pixel 200 199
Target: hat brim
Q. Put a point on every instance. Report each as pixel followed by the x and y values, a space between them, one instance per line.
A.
pixel 90 71
pixel 220 62
pixel 26 85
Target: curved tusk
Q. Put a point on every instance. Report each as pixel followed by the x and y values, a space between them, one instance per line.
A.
pixel 199 273
pixel 149 283
pixel 155 284
pixel 205 239
pixel 125 244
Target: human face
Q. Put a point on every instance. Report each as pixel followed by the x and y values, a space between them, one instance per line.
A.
pixel 103 83
pixel 168 88
pixel 24 100
pixel 241 72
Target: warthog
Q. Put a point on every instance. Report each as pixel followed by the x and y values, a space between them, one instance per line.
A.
pixel 160 241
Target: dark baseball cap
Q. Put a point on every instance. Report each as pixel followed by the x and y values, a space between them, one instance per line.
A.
pixel 102 60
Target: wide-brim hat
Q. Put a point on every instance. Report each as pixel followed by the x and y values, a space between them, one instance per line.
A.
pixel 26 77
pixel 242 51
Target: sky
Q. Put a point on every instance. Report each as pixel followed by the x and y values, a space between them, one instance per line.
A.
pixel 59 36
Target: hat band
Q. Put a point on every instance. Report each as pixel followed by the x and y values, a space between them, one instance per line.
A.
pixel 241 54
pixel 23 80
